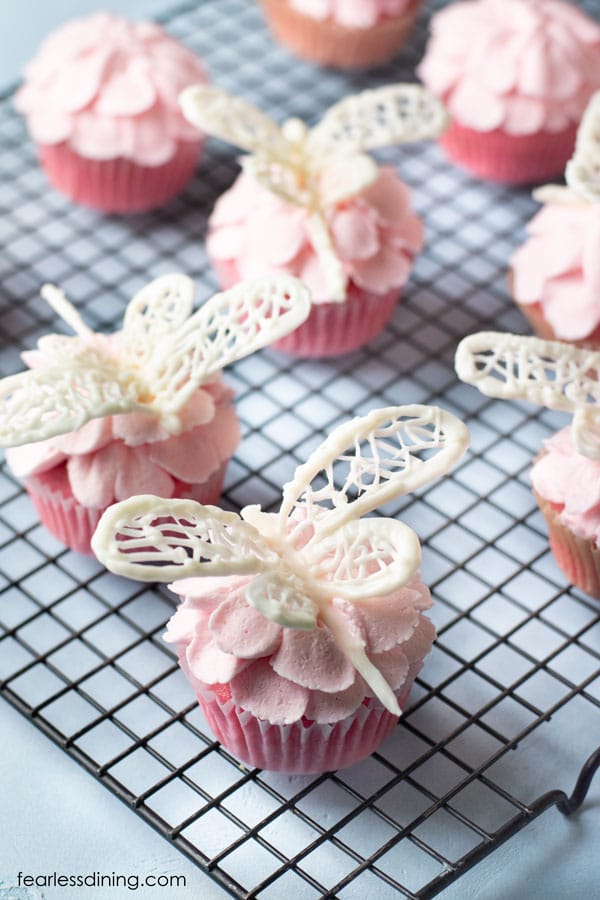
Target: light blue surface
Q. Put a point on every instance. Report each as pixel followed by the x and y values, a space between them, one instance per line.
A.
pixel 55 817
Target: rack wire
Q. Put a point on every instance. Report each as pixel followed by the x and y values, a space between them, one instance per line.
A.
pixel 517 660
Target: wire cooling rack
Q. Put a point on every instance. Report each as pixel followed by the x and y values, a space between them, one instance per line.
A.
pixel 507 706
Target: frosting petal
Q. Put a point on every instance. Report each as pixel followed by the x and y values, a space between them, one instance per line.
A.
pixel 268 696
pixel 242 631
pixel 109 88
pixel 313 660
pixel 530 68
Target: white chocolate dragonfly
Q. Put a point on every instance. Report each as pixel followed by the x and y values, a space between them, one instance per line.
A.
pixel 582 173
pixel 317 551
pixel 550 373
pixel 154 365
pixel 320 167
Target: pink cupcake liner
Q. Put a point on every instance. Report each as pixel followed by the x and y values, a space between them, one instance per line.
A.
pixel 330 44
pixel 331 329
pixel 303 747
pixel 509 159
pixel 579 558
pixel 74 524
pixel 118 185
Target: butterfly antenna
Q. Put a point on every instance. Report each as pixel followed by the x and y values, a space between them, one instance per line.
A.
pixel 55 298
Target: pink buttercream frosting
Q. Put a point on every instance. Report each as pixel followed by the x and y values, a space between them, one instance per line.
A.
pixel 114 457
pixel 375 234
pixel 352 13
pixel 282 674
pixel 565 477
pixel 523 66
pixel 559 268
pixel 109 88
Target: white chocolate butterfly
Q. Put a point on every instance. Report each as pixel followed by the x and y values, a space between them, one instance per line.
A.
pixel 582 173
pixel 323 166
pixel 550 373
pixel 317 548
pixel 161 357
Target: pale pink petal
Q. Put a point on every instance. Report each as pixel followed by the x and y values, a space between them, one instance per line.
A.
pixel 153 144
pixel 524 116
pixel 393 665
pixel 29 459
pixel 199 410
pixel 242 631
pixel 356 13
pixel 182 626
pixel 389 196
pixel 570 310
pixel 96 137
pixel 208 663
pixel 115 473
pixel 440 74
pixel 226 241
pixel 260 691
pixel 77 83
pixel 385 271
pixel 327 708
pixel 127 90
pixel 138 428
pixel 355 233
pixel 419 644
pixel 92 436
pixel 475 107
pixel 552 480
pixel 50 127
pixel 233 206
pixel 194 455
pixel 311 273
pixel 388 620
pixel 313 660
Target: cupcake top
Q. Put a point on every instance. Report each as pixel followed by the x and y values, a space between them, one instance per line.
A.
pixel 312 175
pixel 375 235
pixel 359 14
pixel 522 66
pixel 145 378
pixel 559 265
pixel 550 373
pixel 300 584
pixel 108 88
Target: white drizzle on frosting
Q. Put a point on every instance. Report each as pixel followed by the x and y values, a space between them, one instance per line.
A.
pixel 320 167
pixel 154 365
pixel 318 549
pixel 553 374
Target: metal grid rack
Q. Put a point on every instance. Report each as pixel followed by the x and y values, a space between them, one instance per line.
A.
pixel 517 660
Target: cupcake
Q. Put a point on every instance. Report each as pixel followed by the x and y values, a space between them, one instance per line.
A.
pixel 341 34
pixel 302 631
pixel 98 417
pixel 100 100
pixel 516 76
pixel 313 204
pixel 555 274
pixel 566 474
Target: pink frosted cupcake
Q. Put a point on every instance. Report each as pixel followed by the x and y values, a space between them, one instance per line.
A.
pixel 101 417
pixel 100 100
pixel 555 275
pixel 313 204
pixel 304 640
pixel 341 34
pixel 516 76
pixel 566 485
pixel 566 475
